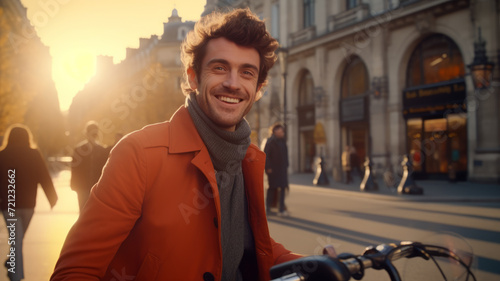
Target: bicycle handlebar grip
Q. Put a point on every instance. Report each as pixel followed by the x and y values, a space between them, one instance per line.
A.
pixel 313 268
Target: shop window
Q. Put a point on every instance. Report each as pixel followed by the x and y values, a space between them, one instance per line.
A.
pixel 436 59
pixel 457 133
pixel 414 131
pixel 436 145
pixel 355 79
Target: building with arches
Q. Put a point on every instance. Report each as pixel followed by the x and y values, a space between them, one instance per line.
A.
pixel 388 77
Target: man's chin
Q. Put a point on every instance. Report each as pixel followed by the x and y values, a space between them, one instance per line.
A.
pixel 228 125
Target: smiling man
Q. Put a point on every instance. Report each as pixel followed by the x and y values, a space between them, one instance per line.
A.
pixel 226 86
pixel 184 199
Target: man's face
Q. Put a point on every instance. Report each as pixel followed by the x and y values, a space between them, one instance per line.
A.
pixel 279 133
pixel 227 87
pixel 92 134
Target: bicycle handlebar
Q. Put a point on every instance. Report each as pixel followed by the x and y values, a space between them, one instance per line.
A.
pixel 345 266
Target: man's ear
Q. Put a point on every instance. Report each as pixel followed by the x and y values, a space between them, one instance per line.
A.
pixel 192 79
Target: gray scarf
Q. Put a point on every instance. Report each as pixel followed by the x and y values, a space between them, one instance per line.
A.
pixel 227 150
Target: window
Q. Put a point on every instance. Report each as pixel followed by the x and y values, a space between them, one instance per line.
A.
pixel 182 32
pixel 355 79
pixel 436 59
pixel 350 4
pixel 275 20
pixel 308 13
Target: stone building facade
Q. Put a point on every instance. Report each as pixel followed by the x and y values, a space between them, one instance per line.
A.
pixel 388 77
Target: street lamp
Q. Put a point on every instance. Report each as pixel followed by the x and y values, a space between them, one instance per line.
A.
pixel 282 57
pixel 481 68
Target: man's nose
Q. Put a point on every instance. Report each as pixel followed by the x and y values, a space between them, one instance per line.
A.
pixel 232 81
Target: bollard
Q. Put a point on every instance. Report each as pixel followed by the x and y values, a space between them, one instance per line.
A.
pixel 368 183
pixel 407 184
pixel 321 178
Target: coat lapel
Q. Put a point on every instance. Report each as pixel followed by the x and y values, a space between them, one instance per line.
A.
pixel 184 138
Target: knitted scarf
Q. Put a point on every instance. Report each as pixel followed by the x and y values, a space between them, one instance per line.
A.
pixel 227 150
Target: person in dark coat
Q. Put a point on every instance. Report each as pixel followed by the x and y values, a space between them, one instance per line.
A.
pixel 277 168
pixel 89 158
pixel 22 168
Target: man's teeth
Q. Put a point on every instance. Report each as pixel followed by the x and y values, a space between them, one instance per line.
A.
pixel 228 99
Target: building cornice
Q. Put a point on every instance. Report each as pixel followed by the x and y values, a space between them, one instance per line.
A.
pixel 417 12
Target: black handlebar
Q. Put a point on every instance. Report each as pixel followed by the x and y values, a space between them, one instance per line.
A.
pixel 345 266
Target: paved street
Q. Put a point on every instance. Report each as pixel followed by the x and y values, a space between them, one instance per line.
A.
pixel 352 220
pixel 340 216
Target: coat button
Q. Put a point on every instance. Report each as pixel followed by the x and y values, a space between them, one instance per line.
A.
pixel 216 223
pixel 207 276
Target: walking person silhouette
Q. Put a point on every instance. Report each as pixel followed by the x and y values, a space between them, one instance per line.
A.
pixel 277 168
pixel 22 168
pixel 89 158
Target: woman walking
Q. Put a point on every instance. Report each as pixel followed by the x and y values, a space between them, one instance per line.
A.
pixel 22 168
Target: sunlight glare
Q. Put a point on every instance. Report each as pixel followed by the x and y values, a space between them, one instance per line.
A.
pixel 72 70
pixel 75 41
pixel 80 65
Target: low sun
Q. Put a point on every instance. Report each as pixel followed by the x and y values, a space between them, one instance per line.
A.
pixel 72 70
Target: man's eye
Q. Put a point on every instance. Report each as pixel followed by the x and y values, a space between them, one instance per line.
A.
pixel 219 68
pixel 249 73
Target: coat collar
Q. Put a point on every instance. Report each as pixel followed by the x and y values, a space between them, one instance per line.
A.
pixel 184 137
pixel 183 134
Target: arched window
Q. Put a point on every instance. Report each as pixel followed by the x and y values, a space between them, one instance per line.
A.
pixel 436 59
pixel 355 79
pixel 306 90
pixel 182 32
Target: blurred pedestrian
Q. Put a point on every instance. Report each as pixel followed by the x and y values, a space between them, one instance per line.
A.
pixel 277 169
pixel 346 164
pixel 89 158
pixel 22 168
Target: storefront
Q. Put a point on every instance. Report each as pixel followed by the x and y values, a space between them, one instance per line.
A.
pixel 434 107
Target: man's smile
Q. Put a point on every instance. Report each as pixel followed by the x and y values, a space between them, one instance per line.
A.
pixel 231 100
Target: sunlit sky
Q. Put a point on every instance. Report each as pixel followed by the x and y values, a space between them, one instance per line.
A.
pixel 76 31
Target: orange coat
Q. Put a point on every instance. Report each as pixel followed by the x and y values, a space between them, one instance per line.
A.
pixel 155 212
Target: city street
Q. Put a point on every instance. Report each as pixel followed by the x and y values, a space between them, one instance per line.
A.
pixel 319 216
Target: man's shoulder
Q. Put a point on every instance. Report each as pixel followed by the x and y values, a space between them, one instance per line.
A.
pixel 151 135
pixel 82 143
pixel 159 134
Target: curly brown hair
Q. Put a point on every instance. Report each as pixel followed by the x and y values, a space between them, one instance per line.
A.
pixel 240 26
